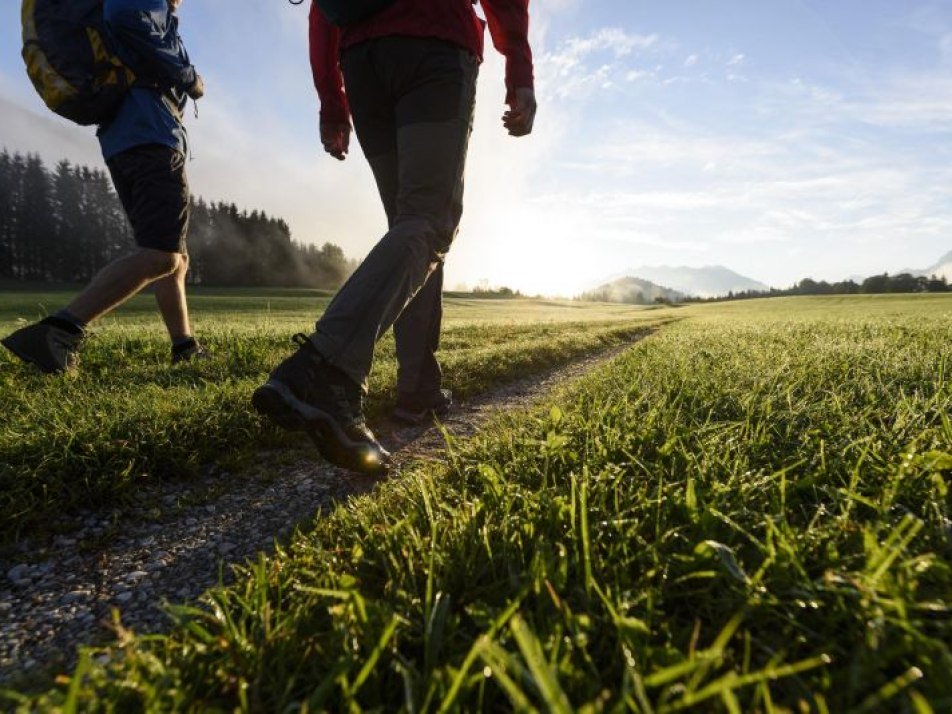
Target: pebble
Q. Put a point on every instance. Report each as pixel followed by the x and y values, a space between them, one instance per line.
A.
pixel 74 596
pixel 124 597
pixel 18 572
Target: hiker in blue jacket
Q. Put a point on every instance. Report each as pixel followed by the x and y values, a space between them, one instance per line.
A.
pixel 144 146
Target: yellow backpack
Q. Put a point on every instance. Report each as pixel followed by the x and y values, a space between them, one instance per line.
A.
pixel 69 59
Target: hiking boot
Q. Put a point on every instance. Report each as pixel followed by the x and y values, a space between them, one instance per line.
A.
pixel 188 351
pixel 306 393
pixel 51 345
pixel 416 408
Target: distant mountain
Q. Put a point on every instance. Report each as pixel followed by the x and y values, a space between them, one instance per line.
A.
pixel 942 269
pixel 632 291
pixel 710 281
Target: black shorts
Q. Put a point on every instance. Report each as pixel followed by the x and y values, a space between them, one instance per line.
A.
pixel 152 186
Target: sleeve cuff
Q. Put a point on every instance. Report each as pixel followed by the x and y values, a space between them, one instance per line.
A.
pixel 519 74
pixel 189 76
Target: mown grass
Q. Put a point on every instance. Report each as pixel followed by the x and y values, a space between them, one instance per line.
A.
pixel 749 511
pixel 128 417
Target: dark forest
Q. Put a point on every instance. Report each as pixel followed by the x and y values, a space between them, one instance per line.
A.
pixel 63 225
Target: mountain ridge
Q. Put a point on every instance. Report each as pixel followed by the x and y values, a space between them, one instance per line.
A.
pixel 704 282
pixel 632 291
pixel 942 268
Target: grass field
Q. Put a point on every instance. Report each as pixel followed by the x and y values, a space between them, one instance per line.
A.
pixel 129 417
pixel 748 511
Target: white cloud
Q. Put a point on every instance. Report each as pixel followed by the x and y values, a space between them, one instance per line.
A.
pixel 612 39
pixel 886 99
pixel 582 64
pixel 635 75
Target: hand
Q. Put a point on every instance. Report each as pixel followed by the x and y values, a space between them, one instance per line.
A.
pixel 336 139
pixel 197 90
pixel 522 110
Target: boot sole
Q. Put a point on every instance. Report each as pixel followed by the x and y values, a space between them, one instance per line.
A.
pixel 277 402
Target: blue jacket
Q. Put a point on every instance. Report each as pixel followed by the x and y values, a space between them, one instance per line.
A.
pixel 145 34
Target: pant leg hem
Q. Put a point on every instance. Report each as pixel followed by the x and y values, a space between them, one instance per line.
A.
pixel 329 352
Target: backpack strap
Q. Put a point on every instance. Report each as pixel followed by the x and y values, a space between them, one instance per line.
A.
pixel 110 70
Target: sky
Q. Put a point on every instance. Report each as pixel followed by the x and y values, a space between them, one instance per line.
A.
pixel 783 139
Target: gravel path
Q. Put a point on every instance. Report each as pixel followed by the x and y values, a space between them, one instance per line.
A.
pixel 182 538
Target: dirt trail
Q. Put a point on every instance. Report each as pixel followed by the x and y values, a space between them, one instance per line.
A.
pixel 184 536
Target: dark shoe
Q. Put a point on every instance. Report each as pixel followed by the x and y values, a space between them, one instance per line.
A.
pixel 306 393
pixel 188 351
pixel 51 345
pixel 416 409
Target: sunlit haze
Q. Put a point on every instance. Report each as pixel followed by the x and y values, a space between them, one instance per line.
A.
pixel 783 139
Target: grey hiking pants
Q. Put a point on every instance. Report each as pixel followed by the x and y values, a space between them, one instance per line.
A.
pixel 412 101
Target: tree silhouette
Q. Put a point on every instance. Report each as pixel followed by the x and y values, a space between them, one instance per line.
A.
pixel 66 224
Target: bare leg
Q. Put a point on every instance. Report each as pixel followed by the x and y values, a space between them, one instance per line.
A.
pixel 170 296
pixel 120 280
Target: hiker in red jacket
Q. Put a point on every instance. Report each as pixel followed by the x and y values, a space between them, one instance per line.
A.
pixel 410 76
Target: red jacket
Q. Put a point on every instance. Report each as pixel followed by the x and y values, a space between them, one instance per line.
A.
pixel 452 20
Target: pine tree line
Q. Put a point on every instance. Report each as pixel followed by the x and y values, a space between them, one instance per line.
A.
pixel 873 285
pixel 64 225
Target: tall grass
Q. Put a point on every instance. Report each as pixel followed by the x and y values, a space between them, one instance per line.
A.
pixel 749 511
pixel 129 418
